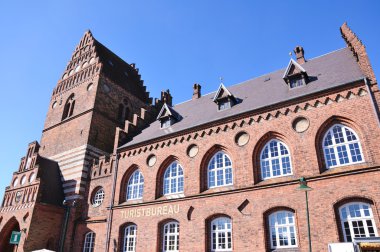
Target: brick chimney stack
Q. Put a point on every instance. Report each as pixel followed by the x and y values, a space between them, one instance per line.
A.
pixel 166 97
pixel 196 91
pixel 300 55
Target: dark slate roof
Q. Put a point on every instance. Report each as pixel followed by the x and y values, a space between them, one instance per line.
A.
pixel 121 72
pixel 331 70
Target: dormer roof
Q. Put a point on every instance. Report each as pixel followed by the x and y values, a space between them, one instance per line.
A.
pixel 222 92
pixel 167 111
pixel 293 68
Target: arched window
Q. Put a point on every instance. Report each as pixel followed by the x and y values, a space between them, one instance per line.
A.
pixel 357 221
pixel 170 239
pixel 68 110
pixel 98 197
pixel 221 234
pixel 275 160
pixel 341 146
pixel 130 236
pixel 173 179
pixel 135 186
pixel 219 170
pixel 282 230
pixel 124 111
pixel 89 242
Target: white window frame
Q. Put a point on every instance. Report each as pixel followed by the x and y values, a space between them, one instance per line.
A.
pixel 89 242
pixel 215 170
pixel 130 234
pixel 225 231
pixel 171 181
pixel 362 218
pixel 166 234
pixel 346 143
pixel 98 198
pixel 134 186
pixel 271 158
pixel 278 226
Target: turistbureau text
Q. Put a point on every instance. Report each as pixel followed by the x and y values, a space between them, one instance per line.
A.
pixel 150 211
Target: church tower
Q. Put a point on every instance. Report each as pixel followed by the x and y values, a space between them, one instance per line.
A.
pixel 97 92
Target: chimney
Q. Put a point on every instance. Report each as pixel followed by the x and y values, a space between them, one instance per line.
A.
pixel 166 97
pixel 300 55
pixel 196 91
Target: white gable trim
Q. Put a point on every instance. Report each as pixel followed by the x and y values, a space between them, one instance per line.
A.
pixel 162 111
pixel 221 86
pixel 292 62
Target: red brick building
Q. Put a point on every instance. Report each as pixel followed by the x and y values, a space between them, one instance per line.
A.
pixel 115 171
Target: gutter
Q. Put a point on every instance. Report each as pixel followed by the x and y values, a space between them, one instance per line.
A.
pixel 373 102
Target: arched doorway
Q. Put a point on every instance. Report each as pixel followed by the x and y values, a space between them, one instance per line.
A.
pixel 5 235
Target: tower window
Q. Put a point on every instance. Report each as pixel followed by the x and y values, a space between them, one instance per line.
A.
pixel 69 107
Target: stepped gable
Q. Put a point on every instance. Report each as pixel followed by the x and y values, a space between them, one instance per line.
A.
pixel 117 70
pixel 91 58
pixel 328 71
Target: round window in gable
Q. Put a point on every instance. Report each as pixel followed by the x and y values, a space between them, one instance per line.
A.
pixel 192 150
pixel 90 86
pixel 242 138
pixel 98 197
pixel 151 160
pixel 300 124
pixel 54 104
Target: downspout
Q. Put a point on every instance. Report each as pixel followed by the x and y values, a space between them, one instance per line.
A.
pixel 110 213
pixel 373 102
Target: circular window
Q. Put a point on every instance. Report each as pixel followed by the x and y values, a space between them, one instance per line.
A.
pixel 54 104
pixel 151 160
pixel 98 198
pixel 64 76
pixel 23 180
pixel 92 60
pixel 192 151
pixel 85 64
pixel 32 177
pixel 71 72
pixel 15 182
pixel 300 124
pixel 242 138
pixel 90 86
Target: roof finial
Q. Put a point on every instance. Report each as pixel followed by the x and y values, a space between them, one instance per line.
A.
pixel 221 79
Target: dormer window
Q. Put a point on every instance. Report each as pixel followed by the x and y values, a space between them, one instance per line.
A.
pixel 166 122
pixel 295 75
pixel 296 82
pixel 167 116
pixel 224 98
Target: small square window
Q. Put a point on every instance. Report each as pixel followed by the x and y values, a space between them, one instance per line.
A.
pixel 166 122
pixel 298 82
pixel 224 105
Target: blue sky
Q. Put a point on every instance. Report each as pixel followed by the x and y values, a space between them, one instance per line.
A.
pixel 173 43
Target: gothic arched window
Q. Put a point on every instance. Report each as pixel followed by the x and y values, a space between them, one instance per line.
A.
pixel 275 160
pixel 357 221
pixel 282 230
pixel 341 146
pixel 220 170
pixel 135 186
pixel 173 179
pixel 89 242
pixel 129 239
pixel 68 110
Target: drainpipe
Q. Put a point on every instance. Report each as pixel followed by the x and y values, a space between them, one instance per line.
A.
pixel 373 102
pixel 65 224
pixel 110 213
